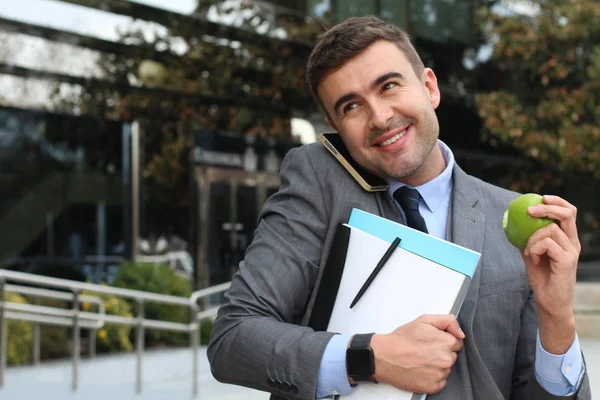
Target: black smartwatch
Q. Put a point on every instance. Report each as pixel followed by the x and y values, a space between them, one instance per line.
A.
pixel 360 361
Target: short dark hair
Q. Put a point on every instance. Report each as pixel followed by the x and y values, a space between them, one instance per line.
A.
pixel 346 40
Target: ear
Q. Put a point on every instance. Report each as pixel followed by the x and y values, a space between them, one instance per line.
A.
pixel 431 87
pixel 331 124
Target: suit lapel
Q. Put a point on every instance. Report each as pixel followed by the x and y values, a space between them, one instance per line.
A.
pixel 467 229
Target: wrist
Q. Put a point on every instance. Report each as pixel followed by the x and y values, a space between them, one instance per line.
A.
pixel 360 363
pixel 557 331
pixel 378 346
pixel 554 312
pixel 564 317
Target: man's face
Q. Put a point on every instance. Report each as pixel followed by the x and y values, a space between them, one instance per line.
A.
pixel 384 112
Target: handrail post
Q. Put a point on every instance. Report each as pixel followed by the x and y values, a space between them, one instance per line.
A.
pixel 196 341
pixel 76 340
pixel 139 346
pixel 3 331
pixel 93 333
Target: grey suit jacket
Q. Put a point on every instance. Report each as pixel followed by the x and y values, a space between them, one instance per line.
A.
pixel 260 338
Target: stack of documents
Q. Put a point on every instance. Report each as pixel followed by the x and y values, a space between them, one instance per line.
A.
pixel 424 275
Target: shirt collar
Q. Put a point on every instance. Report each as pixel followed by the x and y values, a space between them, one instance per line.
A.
pixel 437 189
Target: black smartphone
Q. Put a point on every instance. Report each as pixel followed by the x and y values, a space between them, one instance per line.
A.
pixel 367 180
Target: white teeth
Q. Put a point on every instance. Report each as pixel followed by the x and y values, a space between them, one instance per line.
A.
pixel 393 139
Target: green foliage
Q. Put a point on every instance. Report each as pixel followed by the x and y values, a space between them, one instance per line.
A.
pixel 54 341
pixel 111 337
pixel 550 103
pixel 206 326
pixel 157 279
pixel 19 336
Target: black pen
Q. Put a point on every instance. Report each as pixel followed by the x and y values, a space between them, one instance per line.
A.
pixel 378 268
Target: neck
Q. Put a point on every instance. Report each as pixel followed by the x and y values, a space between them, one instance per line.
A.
pixel 433 166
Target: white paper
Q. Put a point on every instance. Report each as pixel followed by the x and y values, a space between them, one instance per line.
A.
pixel 407 287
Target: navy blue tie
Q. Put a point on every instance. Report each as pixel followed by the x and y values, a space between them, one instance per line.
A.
pixel 408 199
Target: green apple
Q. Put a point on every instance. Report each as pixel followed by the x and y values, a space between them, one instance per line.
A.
pixel 518 225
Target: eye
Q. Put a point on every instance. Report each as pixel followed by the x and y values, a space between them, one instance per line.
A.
pixel 388 86
pixel 349 107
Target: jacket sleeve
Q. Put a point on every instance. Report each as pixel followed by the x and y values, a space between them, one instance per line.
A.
pixel 256 341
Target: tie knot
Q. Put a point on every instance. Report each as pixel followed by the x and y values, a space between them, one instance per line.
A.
pixel 408 198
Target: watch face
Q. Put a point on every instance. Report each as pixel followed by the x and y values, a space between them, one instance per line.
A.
pixel 360 363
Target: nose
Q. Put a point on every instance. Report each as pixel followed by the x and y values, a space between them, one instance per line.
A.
pixel 381 115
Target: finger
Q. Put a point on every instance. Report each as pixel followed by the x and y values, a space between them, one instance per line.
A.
pixel 454 356
pixel 556 213
pixel 553 232
pixel 457 345
pixel 442 384
pixel 445 322
pixel 549 248
pixel 558 201
pixel 565 216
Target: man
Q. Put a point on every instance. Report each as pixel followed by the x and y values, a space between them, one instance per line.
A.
pixel 515 334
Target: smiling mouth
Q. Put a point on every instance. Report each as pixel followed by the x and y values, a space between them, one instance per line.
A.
pixel 393 138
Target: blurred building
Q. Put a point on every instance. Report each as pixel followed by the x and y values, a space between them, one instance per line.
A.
pixel 86 179
pixel 64 193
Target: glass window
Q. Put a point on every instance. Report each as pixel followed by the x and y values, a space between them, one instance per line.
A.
pixel 351 8
pixel 435 20
pixel 396 11
pixel 441 20
pixel 61 202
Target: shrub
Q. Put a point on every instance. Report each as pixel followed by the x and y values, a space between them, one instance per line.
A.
pixel 19 336
pixel 54 341
pixel 162 279
pixel 112 337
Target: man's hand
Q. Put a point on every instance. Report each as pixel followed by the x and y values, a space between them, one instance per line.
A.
pixel 551 258
pixel 417 357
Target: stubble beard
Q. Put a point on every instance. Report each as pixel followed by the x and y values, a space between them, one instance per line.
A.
pixel 411 164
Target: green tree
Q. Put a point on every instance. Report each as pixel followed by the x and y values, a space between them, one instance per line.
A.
pixel 549 104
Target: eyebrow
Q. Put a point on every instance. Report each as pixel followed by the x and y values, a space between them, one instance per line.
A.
pixel 374 85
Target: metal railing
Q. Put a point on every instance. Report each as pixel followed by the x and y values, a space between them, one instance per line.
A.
pixel 51 315
pixel 78 319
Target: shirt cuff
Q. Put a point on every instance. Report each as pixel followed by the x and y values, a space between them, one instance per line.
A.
pixel 333 378
pixel 560 374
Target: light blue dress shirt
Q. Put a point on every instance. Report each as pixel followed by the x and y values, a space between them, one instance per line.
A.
pixel 560 375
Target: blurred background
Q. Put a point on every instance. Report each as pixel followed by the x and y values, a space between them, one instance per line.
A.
pixel 144 136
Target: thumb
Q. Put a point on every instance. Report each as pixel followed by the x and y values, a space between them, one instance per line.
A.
pixel 445 322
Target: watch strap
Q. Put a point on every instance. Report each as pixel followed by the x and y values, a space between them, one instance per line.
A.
pixel 361 340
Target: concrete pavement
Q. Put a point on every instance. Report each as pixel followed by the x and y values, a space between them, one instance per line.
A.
pixel 167 375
